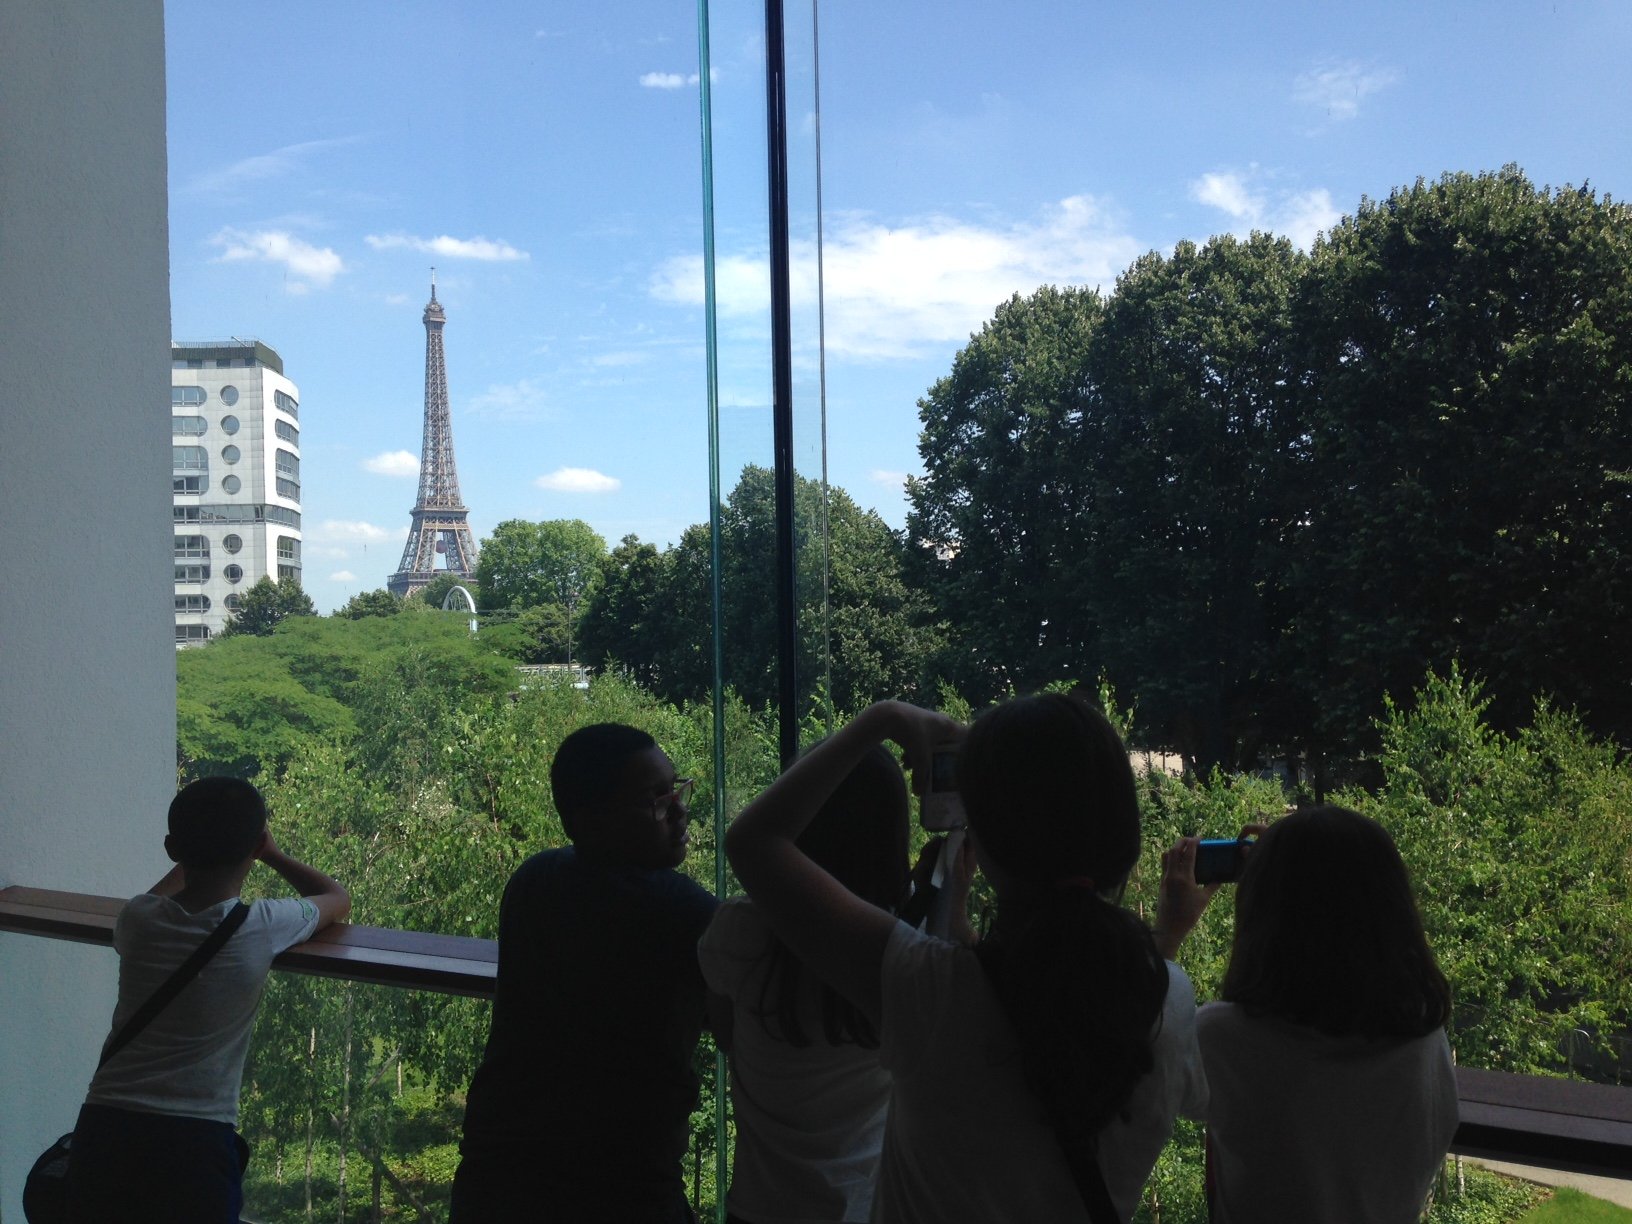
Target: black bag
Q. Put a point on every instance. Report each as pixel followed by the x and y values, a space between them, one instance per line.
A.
pixel 45 1192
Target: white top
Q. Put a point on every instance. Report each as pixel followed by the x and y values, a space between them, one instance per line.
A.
pixel 967 1140
pixel 810 1120
pixel 1315 1128
pixel 190 1057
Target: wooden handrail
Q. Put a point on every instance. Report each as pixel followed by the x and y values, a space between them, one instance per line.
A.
pixel 1525 1119
pixel 452 964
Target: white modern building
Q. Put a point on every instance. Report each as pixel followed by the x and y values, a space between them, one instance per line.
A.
pixel 235 478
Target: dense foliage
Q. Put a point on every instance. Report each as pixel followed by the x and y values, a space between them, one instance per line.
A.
pixel 1262 490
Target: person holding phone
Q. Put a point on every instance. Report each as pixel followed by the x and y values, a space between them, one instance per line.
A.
pixel 1036 1076
pixel 1332 1091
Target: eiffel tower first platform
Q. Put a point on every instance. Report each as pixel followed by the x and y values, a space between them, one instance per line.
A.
pixel 440 526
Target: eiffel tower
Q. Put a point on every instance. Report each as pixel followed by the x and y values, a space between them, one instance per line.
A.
pixel 439 516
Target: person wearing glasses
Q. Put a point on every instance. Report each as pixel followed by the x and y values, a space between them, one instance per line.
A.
pixel 581 1105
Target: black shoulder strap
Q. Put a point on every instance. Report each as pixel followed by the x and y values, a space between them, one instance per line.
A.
pixel 185 972
pixel 1090 1179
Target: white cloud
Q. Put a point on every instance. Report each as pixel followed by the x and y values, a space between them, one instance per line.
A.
pixel 262 167
pixel 393 463
pixel 1251 199
pixel 1308 213
pixel 897 291
pixel 523 400
pixel 484 249
pixel 352 529
pixel 579 480
pixel 1228 191
pixel 310 265
pixel 1338 88
pixel 667 80
pixel 888 479
pixel 342 576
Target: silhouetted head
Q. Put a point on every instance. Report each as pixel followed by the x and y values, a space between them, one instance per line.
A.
pixel 215 822
pixel 1327 932
pixel 1050 794
pixel 860 834
pixel 616 793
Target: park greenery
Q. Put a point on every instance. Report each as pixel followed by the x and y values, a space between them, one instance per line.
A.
pixel 1349 524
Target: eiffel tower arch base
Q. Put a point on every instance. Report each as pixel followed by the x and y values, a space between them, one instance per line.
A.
pixel 430 528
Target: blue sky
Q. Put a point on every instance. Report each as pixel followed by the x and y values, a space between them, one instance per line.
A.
pixel 545 158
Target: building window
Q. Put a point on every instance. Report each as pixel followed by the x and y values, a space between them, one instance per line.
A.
pixel 287 432
pixel 287 464
pixel 288 548
pixel 187 397
pixel 189 484
pixel 187 634
pixel 192 575
pixel 188 426
pixel 229 424
pixel 289 489
pixel 286 402
pixel 195 363
pixel 289 571
pixel 189 459
pixel 232 601
pixel 231 484
pixel 229 454
pixel 229 394
pixel 192 547
pixel 232 543
pixel 234 574
pixel 192 603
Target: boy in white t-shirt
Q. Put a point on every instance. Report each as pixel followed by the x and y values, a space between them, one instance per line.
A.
pixel 156 1138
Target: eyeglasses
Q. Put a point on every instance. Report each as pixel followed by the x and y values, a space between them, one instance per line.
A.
pixel 681 794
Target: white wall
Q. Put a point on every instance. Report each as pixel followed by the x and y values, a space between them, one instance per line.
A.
pixel 87 663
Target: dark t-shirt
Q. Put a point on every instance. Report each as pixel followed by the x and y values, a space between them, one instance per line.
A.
pixel 588 1082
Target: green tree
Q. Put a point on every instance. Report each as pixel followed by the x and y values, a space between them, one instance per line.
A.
pixel 997 521
pixel 1197 490
pixel 1520 846
pixel 370 603
pixel 861 642
pixel 626 617
pixel 526 564
pixel 266 604
pixel 1469 356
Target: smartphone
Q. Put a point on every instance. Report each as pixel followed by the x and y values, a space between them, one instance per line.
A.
pixel 941 807
pixel 1220 860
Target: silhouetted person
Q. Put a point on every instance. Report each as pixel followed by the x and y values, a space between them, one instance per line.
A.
pixel 1333 1097
pixel 156 1139
pixel 580 1108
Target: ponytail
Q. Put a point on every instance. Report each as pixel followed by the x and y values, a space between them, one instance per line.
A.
pixel 1082 983
pixel 1051 800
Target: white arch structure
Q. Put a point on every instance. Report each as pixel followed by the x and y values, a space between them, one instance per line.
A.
pixel 470 603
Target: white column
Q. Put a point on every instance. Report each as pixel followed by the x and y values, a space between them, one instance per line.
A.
pixel 87 662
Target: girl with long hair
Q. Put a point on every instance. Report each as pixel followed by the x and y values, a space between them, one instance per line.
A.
pixel 807 1090
pixel 1333 1096
pixel 1036 1076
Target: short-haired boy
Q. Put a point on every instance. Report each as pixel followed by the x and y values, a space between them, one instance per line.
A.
pixel 156 1138
pixel 580 1108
